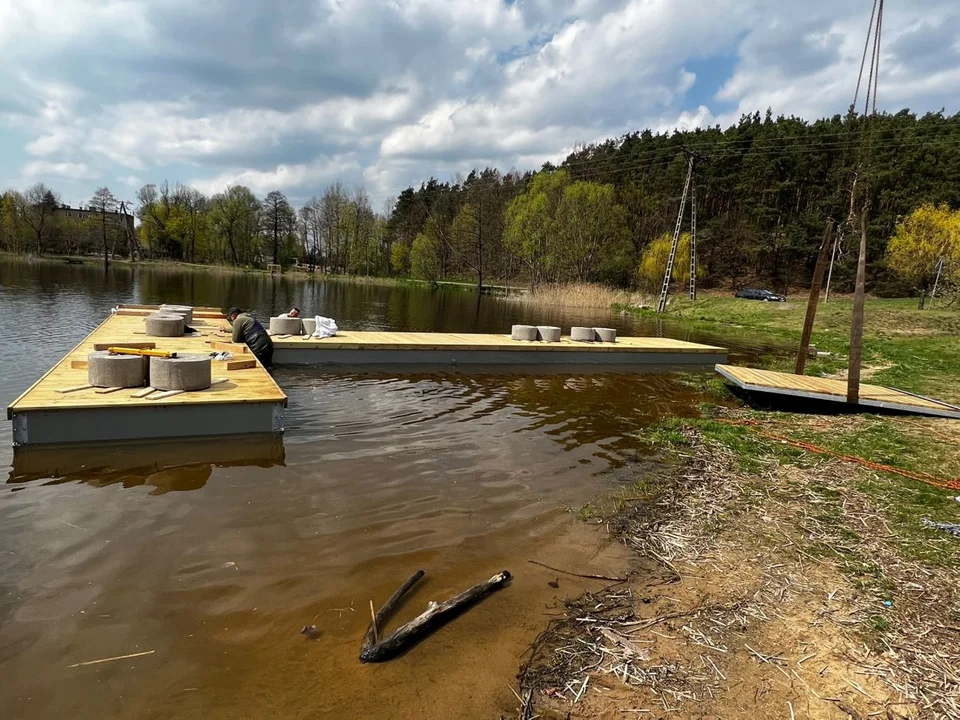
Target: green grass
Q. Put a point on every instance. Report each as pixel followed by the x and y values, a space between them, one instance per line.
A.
pixel 903 502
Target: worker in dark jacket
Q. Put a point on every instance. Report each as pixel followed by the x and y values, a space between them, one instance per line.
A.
pixel 247 329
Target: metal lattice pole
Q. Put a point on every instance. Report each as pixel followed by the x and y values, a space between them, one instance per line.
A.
pixel 936 280
pixel 665 288
pixel 693 232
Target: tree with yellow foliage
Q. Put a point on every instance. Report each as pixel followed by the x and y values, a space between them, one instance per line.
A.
pixel 929 234
pixel 653 263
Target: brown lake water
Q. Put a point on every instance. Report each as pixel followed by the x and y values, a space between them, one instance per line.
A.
pixel 213 555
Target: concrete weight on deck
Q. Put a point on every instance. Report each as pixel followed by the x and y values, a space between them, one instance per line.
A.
pixel 309 326
pixel 106 370
pixel 607 335
pixel 548 333
pixel 164 325
pixel 187 372
pixel 583 334
pixel 526 333
pixel 183 310
pixel 285 326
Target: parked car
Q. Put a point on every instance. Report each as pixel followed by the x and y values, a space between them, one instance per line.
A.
pixel 764 295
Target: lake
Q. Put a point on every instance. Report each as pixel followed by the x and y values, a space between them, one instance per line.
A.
pixel 212 555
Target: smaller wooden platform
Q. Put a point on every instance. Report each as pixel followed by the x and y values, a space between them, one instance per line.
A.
pixel 816 388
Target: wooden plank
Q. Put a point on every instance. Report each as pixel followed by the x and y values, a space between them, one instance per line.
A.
pixel 107 391
pixel 230 347
pixel 241 364
pixel 78 364
pixel 143 393
pixel 165 394
pixel 75 388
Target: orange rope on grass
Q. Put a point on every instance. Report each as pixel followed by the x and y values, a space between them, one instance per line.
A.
pixel 940 482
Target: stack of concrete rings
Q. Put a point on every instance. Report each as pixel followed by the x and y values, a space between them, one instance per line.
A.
pixel 183 310
pixel 164 325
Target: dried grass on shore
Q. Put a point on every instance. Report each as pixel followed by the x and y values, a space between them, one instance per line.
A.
pixel 581 295
pixel 780 592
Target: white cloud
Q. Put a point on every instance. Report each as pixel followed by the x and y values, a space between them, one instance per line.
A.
pixel 285 177
pixel 295 95
pixel 38 170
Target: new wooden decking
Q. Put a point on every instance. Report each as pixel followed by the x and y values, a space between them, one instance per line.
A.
pixel 249 401
pixel 831 390
pixel 243 403
pixel 351 347
pixel 380 340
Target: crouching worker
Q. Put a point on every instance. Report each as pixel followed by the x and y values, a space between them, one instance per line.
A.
pixel 246 329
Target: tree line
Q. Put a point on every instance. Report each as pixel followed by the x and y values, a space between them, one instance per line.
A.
pixel 764 191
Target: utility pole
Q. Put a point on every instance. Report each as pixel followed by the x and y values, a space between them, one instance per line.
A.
pixel 692 159
pixel 813 301
pixel 693 234
pixel 856 329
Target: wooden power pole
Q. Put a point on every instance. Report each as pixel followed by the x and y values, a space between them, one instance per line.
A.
pixel 856 330
pixel 814 300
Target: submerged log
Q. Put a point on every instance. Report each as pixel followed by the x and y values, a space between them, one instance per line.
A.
pixel 377 648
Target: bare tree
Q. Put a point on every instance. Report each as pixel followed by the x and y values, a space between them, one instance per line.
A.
pixel 103 202
pixel 39 205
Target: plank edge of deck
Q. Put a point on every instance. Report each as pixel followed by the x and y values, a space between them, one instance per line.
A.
pixel 721 368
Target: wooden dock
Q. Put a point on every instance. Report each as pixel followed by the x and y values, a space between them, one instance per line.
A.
pixel 249 401
pixel 816 388
pixel 245 399
pixel 399 348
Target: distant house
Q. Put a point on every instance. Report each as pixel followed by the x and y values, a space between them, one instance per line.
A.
pixel 81 213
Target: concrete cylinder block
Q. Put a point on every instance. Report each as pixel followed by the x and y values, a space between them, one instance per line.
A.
pixel 548 333
pixel 186 372
pixel 106 370
pixel 309 326
pixel 606 334
pixel 185 310
pixel 523 332
pixel 285 326
pixel 583 334
pixel 164 325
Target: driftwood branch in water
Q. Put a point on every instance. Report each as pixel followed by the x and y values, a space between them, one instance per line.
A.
pixel 587 576
pixel 376 649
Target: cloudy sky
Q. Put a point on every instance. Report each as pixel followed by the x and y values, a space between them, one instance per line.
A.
pixel 295 94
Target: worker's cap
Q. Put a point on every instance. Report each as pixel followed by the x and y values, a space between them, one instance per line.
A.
pixel 233 310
